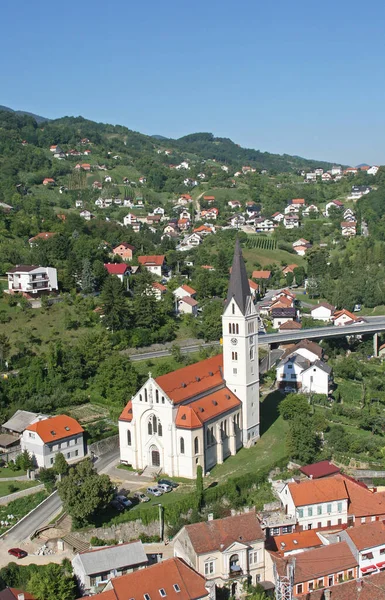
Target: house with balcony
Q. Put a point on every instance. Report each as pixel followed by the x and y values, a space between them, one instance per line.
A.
pixel 155 264
pixel 226 551
pixel 30 279
pixel 367 544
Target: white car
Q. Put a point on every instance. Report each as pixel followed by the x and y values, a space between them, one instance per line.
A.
pixel 125 501
pixel 154 491
pixel 164 487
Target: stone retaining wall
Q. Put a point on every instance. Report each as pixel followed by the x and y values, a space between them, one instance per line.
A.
pixel 123 531
pixel 104 446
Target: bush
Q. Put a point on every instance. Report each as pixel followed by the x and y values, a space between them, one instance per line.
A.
pixel 97 541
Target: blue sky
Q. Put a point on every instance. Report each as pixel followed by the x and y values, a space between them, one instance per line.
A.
pixel 298 77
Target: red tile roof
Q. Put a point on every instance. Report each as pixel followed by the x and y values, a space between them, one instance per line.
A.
pixel 208 197
pixel 43 235
pixel 324 468
pixel 290 325
pixel 298 201
pixel 203 228
pixel 15 592
pixel 254 286
pixel 289 269
pixel 192 380
pixel 316 491
pixel 362 502
pixel 371 587
pixel 368 535
pixel 261 274
pixel 326 560
pixel 159 286
pixel 339 313
pixel 125 245
pixel 152 260
pixel 301 540
pixel 193 415
pixel 126 414
pixel 116 268
pixel 218 534
pixel 188 289
pixel 56 428
pixel 163 575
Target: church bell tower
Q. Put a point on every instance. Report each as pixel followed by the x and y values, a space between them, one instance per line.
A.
pixel 240 347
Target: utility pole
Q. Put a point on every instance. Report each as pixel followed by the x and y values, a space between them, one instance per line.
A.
pixel 284 583
pixel 160 522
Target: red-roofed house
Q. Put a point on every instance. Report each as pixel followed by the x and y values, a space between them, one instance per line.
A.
pixel 124 250
pixel 48 181
pixel 343 317
pixel 46 437
pixel 225 549
pixel 158 290
pixel 261 275
pixel 172 579
pixel 118 269
pixel 202 413
pixel 184 290
pixel 153 263
pixel 210 213
pixel 44 235
pixel 324 468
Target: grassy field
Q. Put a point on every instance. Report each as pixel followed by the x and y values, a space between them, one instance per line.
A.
pixel 9 487
pixel 88 413
pixel 351 391
pixel 267 257
pixel 9 472
pixel 38 327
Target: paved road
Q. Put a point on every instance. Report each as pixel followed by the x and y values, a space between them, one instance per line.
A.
pixel 38 518
pixel 51 507
pixel 167 352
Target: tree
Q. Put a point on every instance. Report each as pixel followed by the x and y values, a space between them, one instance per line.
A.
pixel 293 406
pixel 5 348
pixel 199 486
pixel 87 277
pixel 299 275
pixel 289 278
pixel 52 583
pixel 84 493
pixel 302 441
pixel 116 380
pixel 24 461
pixel 48 477
pixel 114 303
pixel 60 465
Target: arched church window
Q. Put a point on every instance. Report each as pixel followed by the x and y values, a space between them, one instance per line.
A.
pixel 145 395
pixel 157 396
pixel 237 328
pixel 154 424
pixel 230 328
pixel 233 307
pixel 181 445
pixel 196 445
pixel 149 427
pixel 160 429
pixel 128 437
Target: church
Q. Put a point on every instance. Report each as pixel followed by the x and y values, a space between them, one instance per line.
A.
pixel 205 412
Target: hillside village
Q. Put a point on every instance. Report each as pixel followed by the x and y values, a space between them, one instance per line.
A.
pixel 188 452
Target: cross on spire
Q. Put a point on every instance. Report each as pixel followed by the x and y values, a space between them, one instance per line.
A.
pixel 239 288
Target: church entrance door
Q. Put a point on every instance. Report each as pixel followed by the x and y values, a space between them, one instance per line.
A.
pixel 155 457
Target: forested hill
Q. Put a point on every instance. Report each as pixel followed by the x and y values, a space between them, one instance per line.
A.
pixel 225 150
pixel 196 146
pixel 37 118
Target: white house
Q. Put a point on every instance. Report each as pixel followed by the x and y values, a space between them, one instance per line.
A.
pixel 236 220
pixel 316 379
pixel 87 215
pixel 336 170
pixel 289 371
pixel 348 228
pixel 326 177
pixel 291 221
pixel 372 170
pixel 228 552
pixel 310 210
pixel 264 225
pixel 278 217
pixel 334 204
pixel 291 209
pixel 153 263
pixel 184 290
pixel 311 177
pixel 367 544
pixel 29 279
pixel 48 436
pixel 95 567
pixel 130 219
pixel 323 311
pixel 79 203
pixel 191 241
pixel 316 503
pixel 188 306
pixel 202 413
pixel 358 191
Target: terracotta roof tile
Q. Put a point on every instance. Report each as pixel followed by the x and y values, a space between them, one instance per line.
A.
pixel 368 535
pixel 193 415
pixel 150 261
pixel 166 574
pixel 261 274
pixel 324 468
pixel 300 540
pixel 314 491
pixel 116 268
pixel 126 414
pixel 326 560
pixel 220 533
pixel 188 300
pixel 192 380
pixel 188 289
pixel 372 587
pixel 56 428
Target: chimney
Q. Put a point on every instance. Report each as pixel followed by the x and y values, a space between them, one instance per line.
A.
pixel 20 596
pixel 210 517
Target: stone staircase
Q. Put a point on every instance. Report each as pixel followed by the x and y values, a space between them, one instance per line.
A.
pixel 151 472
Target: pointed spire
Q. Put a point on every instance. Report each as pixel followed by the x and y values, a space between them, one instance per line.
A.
pixel 239 288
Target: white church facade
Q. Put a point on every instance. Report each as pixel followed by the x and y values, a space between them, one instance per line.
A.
pixel 205 412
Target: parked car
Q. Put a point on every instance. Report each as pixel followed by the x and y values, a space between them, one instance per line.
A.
pixel 117 505
pixel 164 487
pixel 141 497
pixel 18 552
pixel 289 390
pixel 154 491
pixel 169 482
pixel 125 501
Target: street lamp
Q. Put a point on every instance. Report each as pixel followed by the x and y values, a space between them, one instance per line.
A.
pixel 160 522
